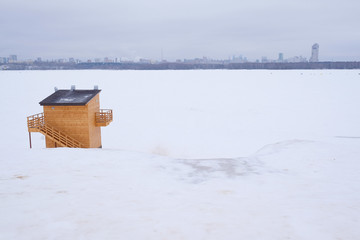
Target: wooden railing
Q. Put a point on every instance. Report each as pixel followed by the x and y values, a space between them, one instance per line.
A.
pixel 104 117
pixel 36 123
pixel 60 137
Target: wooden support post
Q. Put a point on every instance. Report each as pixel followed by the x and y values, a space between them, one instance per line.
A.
pixel 30 139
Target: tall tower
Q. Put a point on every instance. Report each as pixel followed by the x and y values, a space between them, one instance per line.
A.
pixel 314 53
pixel 281 57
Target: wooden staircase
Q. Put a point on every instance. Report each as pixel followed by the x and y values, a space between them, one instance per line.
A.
pixel 36 123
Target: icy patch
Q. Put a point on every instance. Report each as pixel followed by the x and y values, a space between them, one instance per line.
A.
pixel 200 170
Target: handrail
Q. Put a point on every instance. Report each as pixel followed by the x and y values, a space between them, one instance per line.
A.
pixel 60 137
pixel 104 116
pixel 37 121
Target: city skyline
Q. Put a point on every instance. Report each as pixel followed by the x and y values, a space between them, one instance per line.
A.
pixel 162 29
pixel 280 56
pixel 13 58
pixel 231 59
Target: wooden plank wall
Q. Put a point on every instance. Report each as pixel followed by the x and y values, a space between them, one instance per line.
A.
pixel 94 132
pixel 75 121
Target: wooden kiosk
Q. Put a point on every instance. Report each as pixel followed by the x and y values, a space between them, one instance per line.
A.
pixel 71 118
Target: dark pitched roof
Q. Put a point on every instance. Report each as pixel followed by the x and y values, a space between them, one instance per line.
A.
pixel 69 98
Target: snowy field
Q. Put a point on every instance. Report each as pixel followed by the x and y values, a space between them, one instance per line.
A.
pixel 255 154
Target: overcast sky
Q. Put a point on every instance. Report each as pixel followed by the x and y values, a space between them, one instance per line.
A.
pixel 179 28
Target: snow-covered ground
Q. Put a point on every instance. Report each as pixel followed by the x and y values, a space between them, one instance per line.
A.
pixel 190 155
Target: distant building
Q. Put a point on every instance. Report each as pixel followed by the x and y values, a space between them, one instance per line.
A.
pixel 296 59
pixel 237 59
pixel 281 57
pixel 12 58
pixel 143 60
pixel 108 60
pixel 314 53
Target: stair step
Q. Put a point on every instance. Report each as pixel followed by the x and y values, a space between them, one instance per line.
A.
pixel 36 123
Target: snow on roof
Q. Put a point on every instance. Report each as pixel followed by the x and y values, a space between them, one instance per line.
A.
pixel 69 98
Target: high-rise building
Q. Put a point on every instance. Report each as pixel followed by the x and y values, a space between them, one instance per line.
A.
pixel 3 60
pixel 13 58
pixel 314 53
pixel 281 57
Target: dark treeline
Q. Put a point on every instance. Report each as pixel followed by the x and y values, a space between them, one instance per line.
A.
pixel 178 66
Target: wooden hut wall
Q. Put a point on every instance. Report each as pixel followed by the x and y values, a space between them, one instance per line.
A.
pixel 71 120
pixel 94 132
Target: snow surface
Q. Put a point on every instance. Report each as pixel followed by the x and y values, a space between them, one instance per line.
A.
pixel 190 155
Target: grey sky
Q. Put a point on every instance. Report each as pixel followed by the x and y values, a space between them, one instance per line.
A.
pixel 183 29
